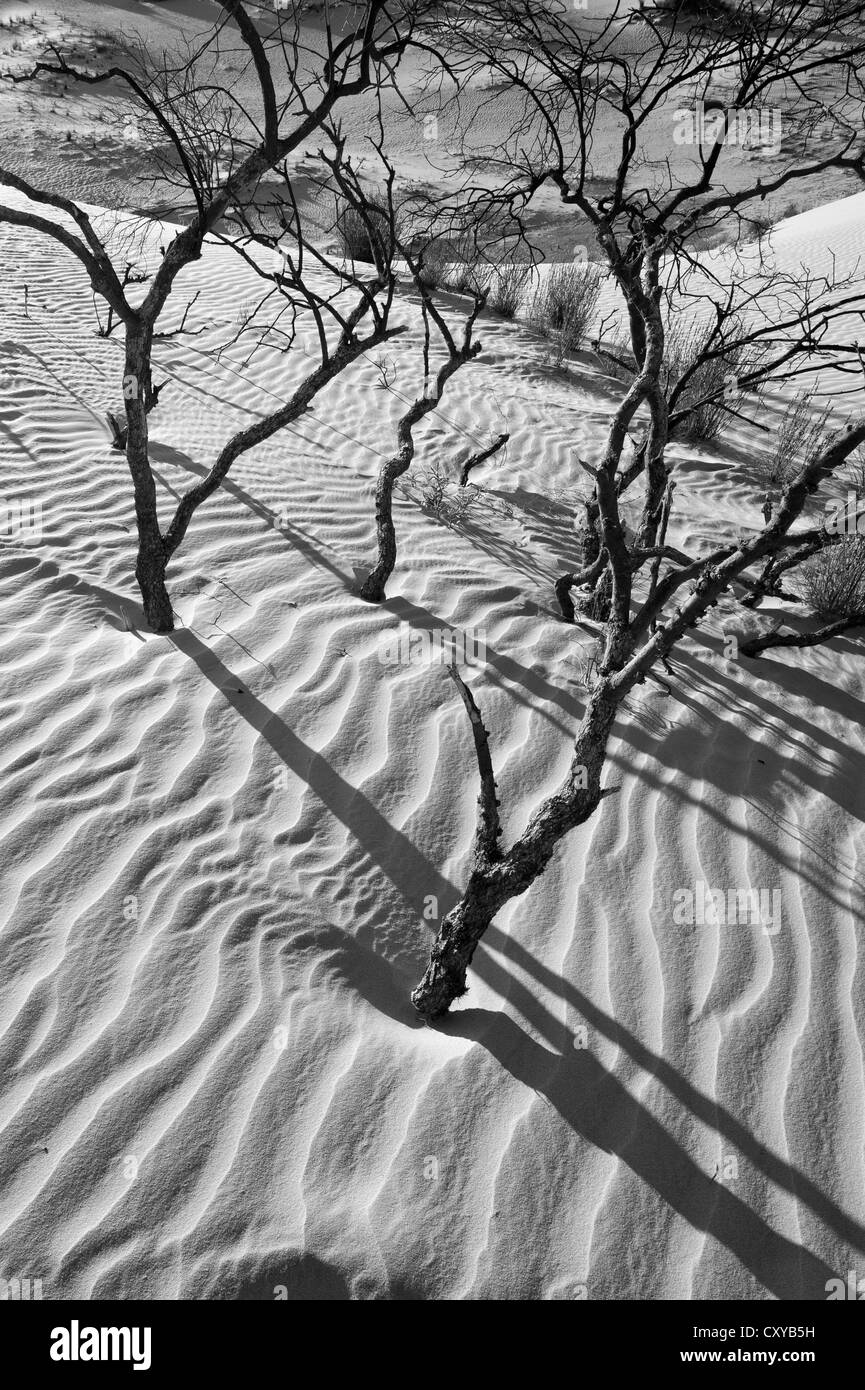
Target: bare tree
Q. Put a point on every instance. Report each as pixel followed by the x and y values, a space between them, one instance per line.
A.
pixel 373 226
pixel 571 80
pixel 458 353
pixel 219 152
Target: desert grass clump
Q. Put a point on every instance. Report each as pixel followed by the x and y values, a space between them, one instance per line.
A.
pixel 697 385
pixel 365 236
pixel 804 432
pixel 435 490
pixel 452 263
pixel 507 286
pixel 564 305
pixel 697 390
pixel 832 582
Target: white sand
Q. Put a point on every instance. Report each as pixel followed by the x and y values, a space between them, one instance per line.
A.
pixel 216 849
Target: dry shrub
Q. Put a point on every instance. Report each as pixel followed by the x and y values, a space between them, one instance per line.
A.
pixel 564 304
pixel 452 263
pixel 507 285
pixel 684 347
pixel 436 490
pixel 365 236
pixel 803 434
pixel 832 582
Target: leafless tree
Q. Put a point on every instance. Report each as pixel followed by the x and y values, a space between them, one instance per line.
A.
pixel 218 151
pixel 574 80
pixel 459 351
pixel 372 225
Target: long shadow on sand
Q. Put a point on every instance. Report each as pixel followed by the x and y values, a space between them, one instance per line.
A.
pixel 589 1098
pixel 598 1108
pixel 704 1109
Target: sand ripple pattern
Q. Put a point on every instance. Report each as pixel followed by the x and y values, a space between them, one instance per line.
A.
pixel 216 851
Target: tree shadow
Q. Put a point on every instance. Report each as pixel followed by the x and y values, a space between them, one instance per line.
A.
pixel 500 669
pixel 591 1100
pixel 409 870
pixel 165 453
pixel 704 1109
pixel 599 1109
pixel 839 773
pixel 549 532
pixel 781 1266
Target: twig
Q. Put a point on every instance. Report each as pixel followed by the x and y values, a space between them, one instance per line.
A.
pixel 481 457
pixel 489 828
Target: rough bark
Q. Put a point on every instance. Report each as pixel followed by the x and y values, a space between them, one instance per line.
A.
pixel 575 579
pixel 494 881
pixel 373 587
pixel 489 827
pixel 481 457
pixel 801 639
pixel 152 556
pixel 150 573
pixel 444 979
pixel 660 539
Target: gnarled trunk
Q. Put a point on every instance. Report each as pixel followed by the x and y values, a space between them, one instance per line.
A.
pixel 493 882
pixel 373 588
pixel 150 573
pixel 152 555
pixel 444 979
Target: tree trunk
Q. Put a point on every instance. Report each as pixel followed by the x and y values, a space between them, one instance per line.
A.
pixel 590 539
pixel 599 604
pixel 494 882
pixel 445 977
pixel 373 588
pixel 152 555
pixel 563 596
pixel 595 605
pixel 150 573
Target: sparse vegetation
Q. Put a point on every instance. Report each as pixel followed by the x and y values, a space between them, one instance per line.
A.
pixel 453 264
pixel 832 582
pixel 367 236
pixel 438 492
pixel 564 304
pixel 803 432
pixel 507 285
pixel 698 383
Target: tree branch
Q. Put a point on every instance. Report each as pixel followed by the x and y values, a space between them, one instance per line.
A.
pixel 487 848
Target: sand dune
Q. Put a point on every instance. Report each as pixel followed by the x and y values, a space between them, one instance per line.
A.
pixel 216 850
